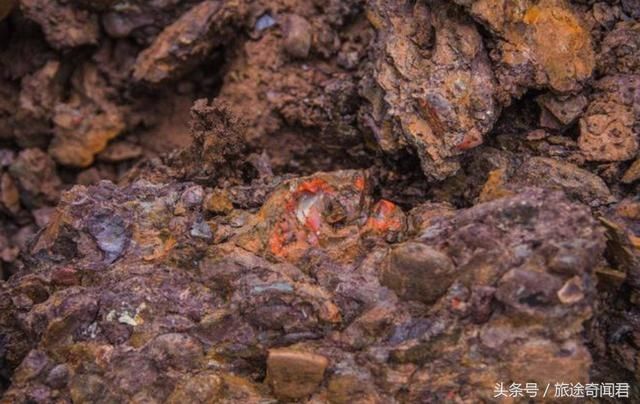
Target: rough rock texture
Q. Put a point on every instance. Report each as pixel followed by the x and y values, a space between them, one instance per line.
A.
pixel 610 129
pixel 317 200
pixel 64 25
pixel 197 304
pixel 523 54
pixel 434 88
pixel 186 43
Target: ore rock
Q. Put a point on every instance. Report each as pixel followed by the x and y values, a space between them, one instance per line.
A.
pixel 330 201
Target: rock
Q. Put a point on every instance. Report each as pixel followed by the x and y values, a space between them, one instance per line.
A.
pixel 608 130
pixel 64 25
pixel 297 36
pixel 9 195
pixel 179 351
pixel 202 388
pixel 565 110
pixel 34 173
pixel 110 234
pixel 58 377
pixel 294 374
pixel 572 291
pixel 523 56
pixel 446 100
pixel 336 231
pixel 265 21
pixel 350 388
pixel 525 291
pixel 623 237
pixel 218 202
pixel 86 122
pixel 161 312
pixel 76 145
pixel 633 173
pixel 187 42
pixel 65 276
pixel 40 92
pixel 620 49
pixel 218 140
pixel 332 211
pixel 33 365
pixel 551 360
pixel 120 151
pixel 192 197
pixel 417 272
pixel 575 182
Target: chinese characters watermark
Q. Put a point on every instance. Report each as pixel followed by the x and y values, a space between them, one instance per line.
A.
pixel 561 390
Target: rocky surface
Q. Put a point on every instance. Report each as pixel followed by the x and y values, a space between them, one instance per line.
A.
pixel 317 201
pixel 317 296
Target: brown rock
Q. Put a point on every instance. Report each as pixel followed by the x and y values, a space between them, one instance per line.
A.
pixel 186 42
pixel 297 36
pixel 620 49
pixel 35 175
pixel 65 276
pixel 86 122
pixel 418 272
pixel 576 182
pixel 609 128
pixel 523 54
pixel 64 24
pixel 202 389
pixel 9 195
pixel 78 139
pixel 564 109
pixel 350 388
pixel 218 202
pixel 120 151
pixel 633 173
pixel 432 90
pixel 543 361
pixel 294 374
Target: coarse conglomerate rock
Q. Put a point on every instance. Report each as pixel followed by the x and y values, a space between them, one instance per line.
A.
pixel 435 85
pixel 320 293
pixel 317 200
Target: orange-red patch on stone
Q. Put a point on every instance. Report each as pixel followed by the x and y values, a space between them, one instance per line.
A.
pixel 313 186
pixel 469 142
pixel 385 217
pixel 277 239
pixel 359 183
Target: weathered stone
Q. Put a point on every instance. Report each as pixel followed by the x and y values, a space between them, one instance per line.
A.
pixel 297 36
pixel 294 374
pixel 201 388
pixel 186 42
pixel 418 272
pixel 437 89
pixel 565 110
pixel 608 130
pixel 523 55
pixel 64 25
pixel 218 202
pixel 633 173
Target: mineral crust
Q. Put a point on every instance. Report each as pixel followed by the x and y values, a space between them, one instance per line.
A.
pixel 325 201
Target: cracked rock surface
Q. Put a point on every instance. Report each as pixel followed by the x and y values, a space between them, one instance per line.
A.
pixel 317 201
